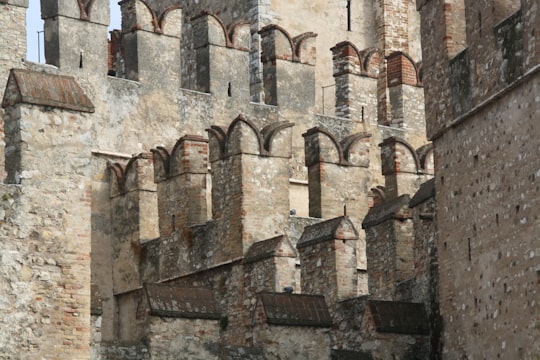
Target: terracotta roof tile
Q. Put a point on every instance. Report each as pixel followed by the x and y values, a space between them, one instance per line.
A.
pixel 295 310
pixel 40 88
pixel 399 317
pixel 338 228
pixel 171 301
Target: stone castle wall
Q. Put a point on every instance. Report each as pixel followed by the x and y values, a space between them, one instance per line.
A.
pixel 152 178
pixel 487 172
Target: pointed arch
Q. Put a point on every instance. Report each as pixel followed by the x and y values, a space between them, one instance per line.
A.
pixel 238 121
pixel 239 38
pixel 173 13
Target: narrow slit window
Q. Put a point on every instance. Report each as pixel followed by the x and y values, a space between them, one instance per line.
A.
pixel 348 15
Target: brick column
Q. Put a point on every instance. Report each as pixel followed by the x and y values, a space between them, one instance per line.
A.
pixel 134 218
pixel 222 62
pixel 356 74
pixel 180 175
pixel 328 260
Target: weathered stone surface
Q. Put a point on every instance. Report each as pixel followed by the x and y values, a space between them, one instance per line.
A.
pixel 89 220
pixel 296 310
pixel 486 179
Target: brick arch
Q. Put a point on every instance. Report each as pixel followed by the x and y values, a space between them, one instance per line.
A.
pixel 284 46
pixel 425 154
pixel 411 152
pixel 219 27
pixel 394 151
pixel 176 164
pixel 236 124
pixel 377 196
pixel 149 21
pixel 119 179
pixel 126 176
pixel 271 132
pixel 85 7
pixel 401 69
pixel 131 174
pixel 351 152
pixel 162 162
pixel 420 67
pixel 304 48
pixel 173 13
pixel 218 134
pixel 237 37
pixel 334 153
pixel 342 54
pixel 371 62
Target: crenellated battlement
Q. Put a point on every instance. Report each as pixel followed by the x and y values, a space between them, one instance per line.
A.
pixel 402 70
pixel 278 44
pixel 209 29
pixel 236 140
pixel 133 176
pixel 215 209
pixel 348 59
pixel 468 33
pixel 371 86
pixel 139 15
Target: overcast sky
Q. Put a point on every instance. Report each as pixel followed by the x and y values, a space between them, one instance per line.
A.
pixel 35 24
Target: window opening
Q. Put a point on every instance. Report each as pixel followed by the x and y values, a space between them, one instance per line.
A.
pixel 348 15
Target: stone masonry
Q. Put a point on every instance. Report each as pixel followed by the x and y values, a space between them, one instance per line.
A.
pixel 252 180
pixel 482 61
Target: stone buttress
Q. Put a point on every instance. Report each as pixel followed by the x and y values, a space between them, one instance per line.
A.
pixel 152 44
pixel 222 58
pixel 76 36
pixel 388 224
pixel 48 179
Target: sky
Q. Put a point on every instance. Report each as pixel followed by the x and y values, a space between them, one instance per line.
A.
pixel 35 24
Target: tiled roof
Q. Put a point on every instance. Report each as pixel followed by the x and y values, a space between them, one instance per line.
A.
pixel 399 317
pixel 295 310
pixel 40 88
pixel 171 301
pixel 278 246
pixel 426 191
pixel 337 228
pixel 397 208
pixel 350 355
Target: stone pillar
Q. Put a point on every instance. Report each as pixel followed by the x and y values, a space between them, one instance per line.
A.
pixel 250 182
pixel 389 247
pixel 222 61
pixel 288 68
pixel 76 35
pixel 134 219
pixel 426 268
pixel 269 266
pixel 356 74
pixel 152 46
pixel 180 175
pixel 332 166
pixel 328 260
pixel 402 168
pixel 444 34
pixel 338 182
pixel 405 93
pixel 392 24
pixel 12 37
pixel 48 244
pixel 12 51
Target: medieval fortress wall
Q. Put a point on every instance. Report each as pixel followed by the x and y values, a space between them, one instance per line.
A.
pixel 486 154
pixel 150 182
